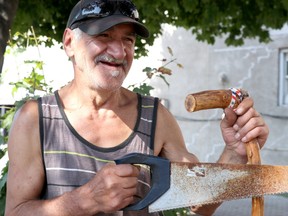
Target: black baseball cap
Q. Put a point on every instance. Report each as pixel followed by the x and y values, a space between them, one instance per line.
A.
pixel 96 16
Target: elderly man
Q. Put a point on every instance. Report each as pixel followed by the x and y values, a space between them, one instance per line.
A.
pixel 61 147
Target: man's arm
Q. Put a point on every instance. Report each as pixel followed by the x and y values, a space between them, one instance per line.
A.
pixel 238 126
pixel 110 190
pixel 169 143
pixel 25 173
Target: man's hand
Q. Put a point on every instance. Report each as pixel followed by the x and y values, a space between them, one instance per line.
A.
pixel 242 125
pixel 112 189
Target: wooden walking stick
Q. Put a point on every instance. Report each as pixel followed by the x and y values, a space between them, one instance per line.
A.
pixel 222 99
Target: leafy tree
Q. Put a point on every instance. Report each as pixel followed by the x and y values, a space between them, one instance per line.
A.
pixel 236 20
pixel 7 13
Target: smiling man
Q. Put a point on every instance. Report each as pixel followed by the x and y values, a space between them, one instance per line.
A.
pixel 62 146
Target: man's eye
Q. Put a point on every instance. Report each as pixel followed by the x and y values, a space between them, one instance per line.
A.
pixel 103 35
pixel 130 39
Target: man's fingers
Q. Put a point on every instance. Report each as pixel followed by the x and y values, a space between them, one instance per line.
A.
pixel 126 170
pixel 245 105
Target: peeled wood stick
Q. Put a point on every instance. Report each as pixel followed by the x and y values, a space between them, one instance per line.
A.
pixel 253 154
pixel 211 99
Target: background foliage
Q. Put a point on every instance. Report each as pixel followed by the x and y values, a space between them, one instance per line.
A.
pixel 233 19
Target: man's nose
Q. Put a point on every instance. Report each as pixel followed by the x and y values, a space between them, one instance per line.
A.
pixel 117 49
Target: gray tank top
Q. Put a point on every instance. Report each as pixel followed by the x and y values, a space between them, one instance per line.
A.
pixel 71 161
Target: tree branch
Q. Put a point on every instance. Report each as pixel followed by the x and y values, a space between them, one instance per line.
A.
pixel 8 10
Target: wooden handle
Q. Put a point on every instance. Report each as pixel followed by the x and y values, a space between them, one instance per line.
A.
pixel 253 154
pixel 208 100
pixel 211 99
pixel 222 99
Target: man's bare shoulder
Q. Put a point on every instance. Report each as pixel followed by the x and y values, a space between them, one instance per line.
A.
pixel 167 129
pixel 169 142
pixel 25 126
pixel 24 136
pixel 165 115
pixel 27 112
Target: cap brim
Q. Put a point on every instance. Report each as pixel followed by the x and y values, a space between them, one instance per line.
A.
pixel 97 26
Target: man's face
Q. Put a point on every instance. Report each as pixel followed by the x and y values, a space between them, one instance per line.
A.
pixel 103 61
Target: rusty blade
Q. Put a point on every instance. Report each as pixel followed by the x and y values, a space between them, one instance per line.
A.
pixel 204 183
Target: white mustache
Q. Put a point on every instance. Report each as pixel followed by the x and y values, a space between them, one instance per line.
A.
pixel 110 59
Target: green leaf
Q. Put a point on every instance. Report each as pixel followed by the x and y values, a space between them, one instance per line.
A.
pixel 3 179
pixel 143 89
pixel 148 69
pixel 170 51
pixel 8 118
pixel 164 79
pixel 177 212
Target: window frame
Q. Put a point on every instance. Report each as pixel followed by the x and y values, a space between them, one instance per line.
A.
pixel 283 78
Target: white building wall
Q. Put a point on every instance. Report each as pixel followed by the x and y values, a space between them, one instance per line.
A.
pixel 253 67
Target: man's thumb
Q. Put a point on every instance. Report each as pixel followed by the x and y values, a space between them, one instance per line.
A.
pixel 229 118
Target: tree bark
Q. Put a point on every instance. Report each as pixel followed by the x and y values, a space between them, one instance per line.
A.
pixel 8 10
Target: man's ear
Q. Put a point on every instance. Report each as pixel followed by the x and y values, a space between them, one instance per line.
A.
pixel 67 42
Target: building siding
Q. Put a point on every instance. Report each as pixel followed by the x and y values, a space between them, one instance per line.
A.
pixel 253 67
